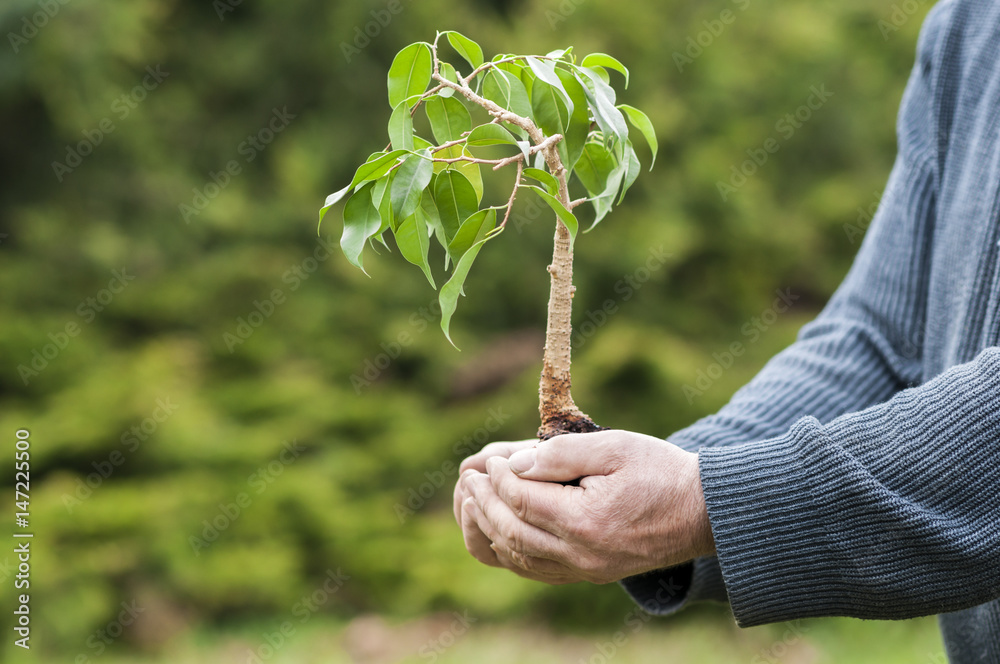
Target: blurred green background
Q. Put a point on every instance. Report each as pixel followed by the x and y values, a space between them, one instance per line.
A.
pixel 243 448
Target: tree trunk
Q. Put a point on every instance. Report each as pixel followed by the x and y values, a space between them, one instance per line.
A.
pixel 555 403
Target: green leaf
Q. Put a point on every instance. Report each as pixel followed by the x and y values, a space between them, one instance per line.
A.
pixel 631 172
pixel 564 215
pixel 449 118
pixel 331 200
pixel 413 242
pixel 469 169
pixel 456 200
pixel 431 215
pixel 641 122
pixel 409 183
pixel 548 109
pixel 490 134
pixel 601 99
pixel 575 136
pixel 506 90
pixel 546 71
pixel 601 73
pixel 525 147
pixel 473 229
pixel 401 128
pixel 601 174
pixel 595 166
pixel 562 54
pixel 465 47
pixel 512 67
pixel 421 144
pixel 382 201
pixel 448 72
pixel 409 74
pixel 546 178
pixel 450 292
pixel 605 60
pixel 361 221
pixel 377 165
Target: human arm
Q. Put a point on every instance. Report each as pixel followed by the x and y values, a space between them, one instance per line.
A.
pixel 891 512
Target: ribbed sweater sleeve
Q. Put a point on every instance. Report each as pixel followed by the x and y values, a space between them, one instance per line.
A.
pixel 866 344
pixel 893 512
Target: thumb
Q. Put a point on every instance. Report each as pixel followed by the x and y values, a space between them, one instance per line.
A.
pixel 567 457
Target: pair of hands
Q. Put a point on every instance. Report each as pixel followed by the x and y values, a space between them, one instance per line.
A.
pixel 638 507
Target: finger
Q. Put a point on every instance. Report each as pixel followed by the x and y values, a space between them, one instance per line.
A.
pixel 569 457
pixel 477 543
pixel 536 569
pixel 550 506
pixel 459 496
pixel 503 449
pixel 552 578
pixel 513 536
pixel 477 463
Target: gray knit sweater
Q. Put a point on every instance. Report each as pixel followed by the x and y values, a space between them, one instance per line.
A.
pixel 859 473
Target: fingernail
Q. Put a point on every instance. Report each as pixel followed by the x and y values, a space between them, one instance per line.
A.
pixel 523 461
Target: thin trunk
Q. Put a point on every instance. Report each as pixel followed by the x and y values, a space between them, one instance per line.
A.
pixel 555 402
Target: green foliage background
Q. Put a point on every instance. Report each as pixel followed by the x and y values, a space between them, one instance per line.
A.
pixel 366 446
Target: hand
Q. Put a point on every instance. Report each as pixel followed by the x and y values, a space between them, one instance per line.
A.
pixel 475 541
pixel 638 507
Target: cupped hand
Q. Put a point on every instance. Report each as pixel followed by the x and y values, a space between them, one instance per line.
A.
pixel 638 507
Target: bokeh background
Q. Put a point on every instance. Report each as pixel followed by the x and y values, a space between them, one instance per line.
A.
pixel 243 448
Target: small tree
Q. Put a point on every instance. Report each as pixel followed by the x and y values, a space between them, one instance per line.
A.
pixel 559 119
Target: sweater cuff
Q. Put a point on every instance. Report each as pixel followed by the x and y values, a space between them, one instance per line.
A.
pixel 663 592
pixel 772 522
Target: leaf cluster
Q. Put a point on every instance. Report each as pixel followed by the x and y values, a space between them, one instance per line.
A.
pixel 555 117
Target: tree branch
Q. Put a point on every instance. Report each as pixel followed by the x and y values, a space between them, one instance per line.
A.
pixel 494 109
pixel 513 194
pixel 488 65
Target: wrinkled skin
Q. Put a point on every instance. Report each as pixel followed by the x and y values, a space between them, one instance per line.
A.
pixel 638 506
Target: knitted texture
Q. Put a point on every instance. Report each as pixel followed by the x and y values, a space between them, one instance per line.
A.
pixel 858 474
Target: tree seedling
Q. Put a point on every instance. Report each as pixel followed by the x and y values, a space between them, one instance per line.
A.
pixel 556 119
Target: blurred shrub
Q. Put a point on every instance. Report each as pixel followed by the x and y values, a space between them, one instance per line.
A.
pixel 169 411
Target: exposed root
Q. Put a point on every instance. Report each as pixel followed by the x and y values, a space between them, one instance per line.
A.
pixel 575 422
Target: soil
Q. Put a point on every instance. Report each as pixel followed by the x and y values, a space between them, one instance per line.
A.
pixel 577 422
